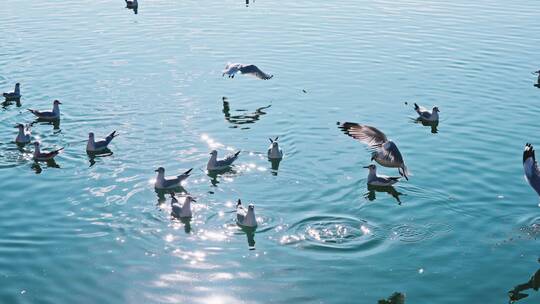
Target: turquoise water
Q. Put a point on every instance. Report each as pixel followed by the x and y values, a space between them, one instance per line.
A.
pixel 465 231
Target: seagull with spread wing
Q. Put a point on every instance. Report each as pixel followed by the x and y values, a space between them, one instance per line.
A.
pixel 385 152
pixel 232 68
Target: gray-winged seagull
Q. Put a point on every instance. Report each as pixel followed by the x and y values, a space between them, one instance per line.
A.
pixel 24 134
pixel 44 156
pixel 425 114
pixel 274 152
pixel 181 211
pixel 95 146
pixel 379 180
pixel 48 115
pixel 245 218
pixel 220 164
pixel 16 94
pixel 232 68
pixel 163 183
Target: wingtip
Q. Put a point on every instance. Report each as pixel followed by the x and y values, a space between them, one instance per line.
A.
pixel 188 171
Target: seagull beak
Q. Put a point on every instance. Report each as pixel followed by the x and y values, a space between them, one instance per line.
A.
pixel 193 200
pixel 366 167
pixel 156 170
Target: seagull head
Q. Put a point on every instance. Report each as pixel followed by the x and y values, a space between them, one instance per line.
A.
pixel 57 102
pixel 19 126
pixel 91 135
pixel 371 167
pixel 251 207
pixel 36 144
pixel 213 153
pixel 190 199
pixel 17 84
pixel 160 170
pixel 436 109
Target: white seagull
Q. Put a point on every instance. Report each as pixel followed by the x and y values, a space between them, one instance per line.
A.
pixel 163 183
pixel 232 68
pixel 184 210
pixel 532 173
pixel 245 218
pixel 44 156
pixel 385 152
pixel 274 152
pixel 425 115
pixel 100 145
pixel 16 94
pixel 220 164
pixel 48 115
pixel 23 137
pixel 379 180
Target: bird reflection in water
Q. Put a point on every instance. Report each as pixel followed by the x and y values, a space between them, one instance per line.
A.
pixel 238 120
pixel 214 174
pixel 275 165
pixel 50 164
pixel 9 102
pixel 432 124
pixel 55 123
pixel 250 234
pixel 162 192
pixel 395 298
pixel 93 155
pixel 371 195
pixel 516 293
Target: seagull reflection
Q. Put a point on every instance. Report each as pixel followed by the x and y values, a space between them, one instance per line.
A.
pixel 371 195
pixel 7 103
pixel 242 119
pixel 250 234
pixel 162 192
pixel 516 293
pixel 395 298
pixel 432 124
pixel 275 165
pixel 55 123
pixel 214 174
pixel 93 155
pixel 50 164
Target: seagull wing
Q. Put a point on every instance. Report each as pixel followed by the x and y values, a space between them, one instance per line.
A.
pixel 532 173
pixel 227 161
pixel 371 136
pixel 255 71
pixel 240 213
pixel 391 153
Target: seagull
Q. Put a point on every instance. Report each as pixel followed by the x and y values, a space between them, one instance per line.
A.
pixel 23 137
pixel 274 152
pixel 132 4
pixel 379 180
pixel 220 164
pixel 386 153
pixel 16 94
pixel 100 145
pixel 48 115
pixel 245 218
pixel 425 115
pixel 532 173
pixel 181 211
pixel 44 156
pixel 232 68
pixel 163 182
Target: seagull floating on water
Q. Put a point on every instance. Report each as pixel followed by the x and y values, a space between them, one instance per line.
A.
pixel 100 145
pixel 181 211
pixel 164 183
pixel 16 94
pixel 274 152
pixel 48 115
pixel 532 173
pixel 44 156
pixel 386 153
pixel 23 137
pixel 379 180
pixel 425 115
pixel 220 164
pixel 245 218
pixel 232 68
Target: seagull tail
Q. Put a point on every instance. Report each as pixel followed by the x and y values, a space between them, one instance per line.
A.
pixel 33 111
pixel 111 136
pixel 58 150
pixel 403 171
pixel 416 107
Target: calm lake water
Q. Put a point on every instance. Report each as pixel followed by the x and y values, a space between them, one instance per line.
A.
pixel 465 232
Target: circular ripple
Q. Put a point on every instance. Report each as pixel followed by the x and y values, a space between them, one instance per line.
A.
pixel 338 233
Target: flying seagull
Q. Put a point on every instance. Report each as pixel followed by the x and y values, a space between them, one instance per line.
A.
pixel 385 152
pixel 232 68
pixel 48 115
pixel 100 145
pixel 163 183
pixel 532 173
